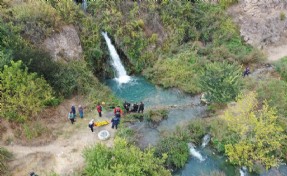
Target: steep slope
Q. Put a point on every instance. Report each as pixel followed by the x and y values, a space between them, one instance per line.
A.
pixel 263 24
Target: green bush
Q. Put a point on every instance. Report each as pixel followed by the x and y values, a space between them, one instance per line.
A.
pixel 275 93
pixel 221 82
pixel 281 68
pixel 36 19
pixel 123 159
pixel 181 71
pixel 260 136
pixel 22 94
pixel 197 129
pixel 5 156
pixel 221 136
pixel 155 116
pixel 176 149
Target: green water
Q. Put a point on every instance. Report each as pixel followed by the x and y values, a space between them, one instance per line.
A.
pixel 139 89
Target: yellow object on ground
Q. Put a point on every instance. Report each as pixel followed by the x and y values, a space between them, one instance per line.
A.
pixel 105 122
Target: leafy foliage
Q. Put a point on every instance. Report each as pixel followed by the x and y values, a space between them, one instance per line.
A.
pixel 181 71
pixel 221 82
pixel 275 93
pixel 176 149
pixel 260 136
pixel 123 159
pixel 22 94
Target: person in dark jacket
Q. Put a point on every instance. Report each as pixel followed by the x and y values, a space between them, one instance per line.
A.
pixel 127 106
pixel 136 107
pixel 115 121
pixel 73 109
pixel 141 108
pixel 246 72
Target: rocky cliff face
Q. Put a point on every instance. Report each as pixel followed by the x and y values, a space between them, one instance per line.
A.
pixel 263 24
pixel 64 45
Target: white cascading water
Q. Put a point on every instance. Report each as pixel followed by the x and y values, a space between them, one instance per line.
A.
pixel 84 5
pixel 121 76
pixel 205 140
pixel 243 171
pixel 194 152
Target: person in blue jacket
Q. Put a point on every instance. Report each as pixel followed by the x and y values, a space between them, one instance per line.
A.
pixel 115 121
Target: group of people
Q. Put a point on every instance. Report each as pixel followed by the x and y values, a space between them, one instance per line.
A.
pixel 117 113
pixel 134 107
pixel 115 121
pixel 72 114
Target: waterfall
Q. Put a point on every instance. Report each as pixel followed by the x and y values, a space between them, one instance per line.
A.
pixel 205 140
pixel 121 74
pixel 194 152
pixel 84 5
pixel 243 171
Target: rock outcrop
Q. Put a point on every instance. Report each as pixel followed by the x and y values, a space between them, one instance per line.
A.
pixel 263 24
pixel 64 45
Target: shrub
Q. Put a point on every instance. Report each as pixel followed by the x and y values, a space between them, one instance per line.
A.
pixel 155 116
pixel 5 156
pixel 281 68
pixel 176 149
pixel 282 16
pixel 37 19
pixel 180 71
pixel 221 82
pixel 22 94
pixel 275 93
pixel 260 137
pixel 197 129
pixel 123 159
pixel 221 135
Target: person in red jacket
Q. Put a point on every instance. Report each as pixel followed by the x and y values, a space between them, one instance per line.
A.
pixel 118 112
pixel 99 109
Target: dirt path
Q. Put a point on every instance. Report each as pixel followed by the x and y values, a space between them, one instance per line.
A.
pixel 276 53
pixel 64 155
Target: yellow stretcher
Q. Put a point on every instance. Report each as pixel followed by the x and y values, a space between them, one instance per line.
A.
pixel 105 122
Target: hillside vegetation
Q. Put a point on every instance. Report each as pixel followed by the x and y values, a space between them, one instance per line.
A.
pixel 192 46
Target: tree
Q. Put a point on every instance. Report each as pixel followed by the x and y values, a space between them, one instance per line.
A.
pixel 221 82
pixel 123 160
pixel 22 94
pixel 260 137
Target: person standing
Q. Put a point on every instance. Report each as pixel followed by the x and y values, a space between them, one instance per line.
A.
pixel 127 106
pixel 136 107
pixel 81 111
pixel 115 121
pixel 141 108
pixel 71 117
pixel 73 109
pixel 118 112
pixel 99 109
pixel 246 72
pixel 91 125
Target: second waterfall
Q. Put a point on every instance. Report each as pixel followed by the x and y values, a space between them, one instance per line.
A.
pixel 121 73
